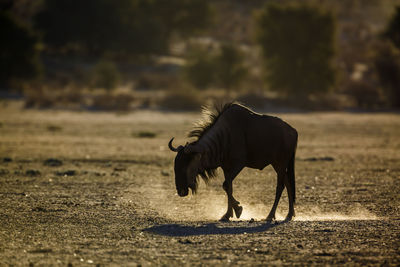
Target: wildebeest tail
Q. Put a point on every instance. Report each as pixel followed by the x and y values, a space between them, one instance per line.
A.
pixel 291 175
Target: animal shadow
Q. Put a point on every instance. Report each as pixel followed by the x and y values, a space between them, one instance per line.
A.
pixel 211 228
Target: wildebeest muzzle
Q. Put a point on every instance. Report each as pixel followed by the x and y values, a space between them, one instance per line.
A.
pixel 183 192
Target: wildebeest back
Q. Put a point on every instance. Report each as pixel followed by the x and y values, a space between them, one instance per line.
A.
pixel 258 135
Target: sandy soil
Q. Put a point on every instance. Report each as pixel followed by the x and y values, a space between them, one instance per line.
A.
pixel 107 196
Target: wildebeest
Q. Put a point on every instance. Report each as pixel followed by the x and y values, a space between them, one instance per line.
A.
pixel 232 138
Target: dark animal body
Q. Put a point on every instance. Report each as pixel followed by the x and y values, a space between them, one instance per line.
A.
pixel 235 137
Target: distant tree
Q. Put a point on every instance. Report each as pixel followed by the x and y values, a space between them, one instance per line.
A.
pixel 122 27
pixel 18 51
pixel 392 31
pixel 229 68
pixel 298 48
pixel 387 65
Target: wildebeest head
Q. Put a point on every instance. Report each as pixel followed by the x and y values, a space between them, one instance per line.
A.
pixel 187 166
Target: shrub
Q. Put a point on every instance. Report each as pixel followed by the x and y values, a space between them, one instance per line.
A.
pixel 365 94
pixel 199 69
pixel 105 75
pixel 107 102
pixel 229 68
pixel 181 100
pixel 38 97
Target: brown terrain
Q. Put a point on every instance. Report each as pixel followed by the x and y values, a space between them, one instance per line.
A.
pixel 97 188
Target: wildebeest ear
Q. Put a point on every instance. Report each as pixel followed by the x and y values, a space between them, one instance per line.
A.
pixel 189 148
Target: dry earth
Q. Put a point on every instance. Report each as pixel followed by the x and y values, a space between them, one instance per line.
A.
pixel 107 195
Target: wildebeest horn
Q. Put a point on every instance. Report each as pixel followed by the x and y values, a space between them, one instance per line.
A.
pixel 173 148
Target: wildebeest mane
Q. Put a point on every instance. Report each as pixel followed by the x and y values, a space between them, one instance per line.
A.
pixel 210 118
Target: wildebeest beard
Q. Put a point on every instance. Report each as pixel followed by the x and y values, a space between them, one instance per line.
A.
pixel 199 170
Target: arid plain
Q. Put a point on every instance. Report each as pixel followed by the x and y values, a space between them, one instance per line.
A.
pixel 88 188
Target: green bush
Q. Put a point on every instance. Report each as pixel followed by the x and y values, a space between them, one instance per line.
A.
pixel 297 44
pixel 105 75
pixel 229 68
pixel 223 68
pixel 199 68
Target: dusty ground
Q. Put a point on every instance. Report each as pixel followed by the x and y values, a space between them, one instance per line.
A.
pixel 108 196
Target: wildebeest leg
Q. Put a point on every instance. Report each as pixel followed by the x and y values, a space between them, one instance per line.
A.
pixel 283 178
pixel 283 181
pixel 291 198
pixel 279 188
pixel 233 204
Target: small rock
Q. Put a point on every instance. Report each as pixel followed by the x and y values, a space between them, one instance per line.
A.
pixel 324 254
pixel 41 250
pixel 186 241
pixel 327 159
pixel 52 162
pixel 66 173
pixel 54 128
pixel 251 220
pixel 39 209
pixel 32 172
pixel 164 173
pixel 7 159
pixel 325 230
pixel 4 172
pixel 310 159
pixel 319 159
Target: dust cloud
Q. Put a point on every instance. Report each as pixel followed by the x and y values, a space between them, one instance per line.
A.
pixel 358 213
pixel 211 205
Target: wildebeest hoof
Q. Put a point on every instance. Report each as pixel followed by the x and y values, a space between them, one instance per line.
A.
pixel 225 218
pixel 288 218
pixel 270 219
pixel 238 211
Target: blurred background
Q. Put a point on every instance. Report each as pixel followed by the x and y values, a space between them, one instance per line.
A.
pixel 179 54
